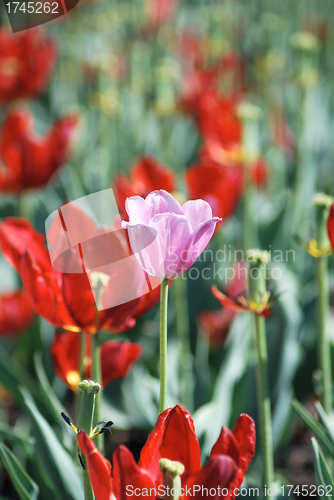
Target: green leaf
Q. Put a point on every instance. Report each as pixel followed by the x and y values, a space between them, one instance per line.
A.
pixel 12 375
pixel 15 436
pixel 26 488
pixel 326 422
pixel 322 472
pixel 53 405
pixel 314 425
pixel 57 463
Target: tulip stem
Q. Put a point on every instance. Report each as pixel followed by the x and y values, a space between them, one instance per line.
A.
pixel 257 288
pixel 324 344
pixel 82 354
pixel 264 405
pixel 322 205
pixel 89 390
pixel 163 344
pixel 182 331
pixel 97 377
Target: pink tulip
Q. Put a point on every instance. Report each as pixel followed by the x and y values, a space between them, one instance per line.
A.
pixel 165 237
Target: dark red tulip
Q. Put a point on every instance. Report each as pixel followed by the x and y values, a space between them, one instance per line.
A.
pixel 174 438
pixel 66 299
pixel 28 160
pixel 26 63
pixel 146 175
pixel 330 226
pixel 16 313
pixel 117 358
pixel 221 186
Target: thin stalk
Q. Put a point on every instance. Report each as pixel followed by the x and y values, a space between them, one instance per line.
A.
pixel 264 406
pixel 87 403
pixel 82 354
pixel 323 341
pixel 97 377
pixel 182 331
pixel 257 288
pixel 163 344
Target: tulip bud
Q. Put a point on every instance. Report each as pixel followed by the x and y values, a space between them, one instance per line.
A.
pixel 322 204
pixel 257 274
pixel 250 115
pixel 306 48
pixel 172 472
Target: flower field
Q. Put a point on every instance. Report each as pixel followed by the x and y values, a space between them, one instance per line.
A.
pixel 166 241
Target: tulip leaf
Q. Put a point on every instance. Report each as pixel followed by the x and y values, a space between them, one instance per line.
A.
pixel 314 425
pixel 322 472
pixel 325 420
pixel 14 436
pixel 57 463
pixel 51 401
pixel 12 375
pixel 26 488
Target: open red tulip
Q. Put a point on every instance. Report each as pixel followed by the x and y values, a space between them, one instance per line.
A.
pixel 26 62
pixel 117 358
pixel 173 438
pixel 146 175
pixel 28 160
pixel 67 300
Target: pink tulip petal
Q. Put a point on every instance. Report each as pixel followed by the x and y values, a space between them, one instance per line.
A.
pixel 174 231
pixel 147 248
pixel 137 210
pixel 197 211
pixel 198 241
pixel 161 202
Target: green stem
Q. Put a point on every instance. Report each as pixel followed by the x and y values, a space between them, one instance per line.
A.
pixel 163 344
pixel 87 403
pixel 257 288
pixel 182 331
pixel 97 377
pixel 264 407
pixel 82 354
pixel 323 342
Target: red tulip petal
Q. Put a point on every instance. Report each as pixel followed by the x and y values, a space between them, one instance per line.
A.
pixel 226 445
pixel 128 474
pixel 65 353
pixel 330 226
pixel 174 438
pixel 227 301
pixel 98 467
pixel 117 359
pixel 16 313
pixel 245 435
pixel 16 236
pixel 218 473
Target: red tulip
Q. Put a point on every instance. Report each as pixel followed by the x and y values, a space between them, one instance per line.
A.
pixel 28 160
pixel 215 325
pixel 259 172
pixel 330 226
pixel 242 303
pixel 26 62
pixel 146 175
pixel 174 438
pixel 66 299
pixel 16 313
pixel 220 186
pixel 117 358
